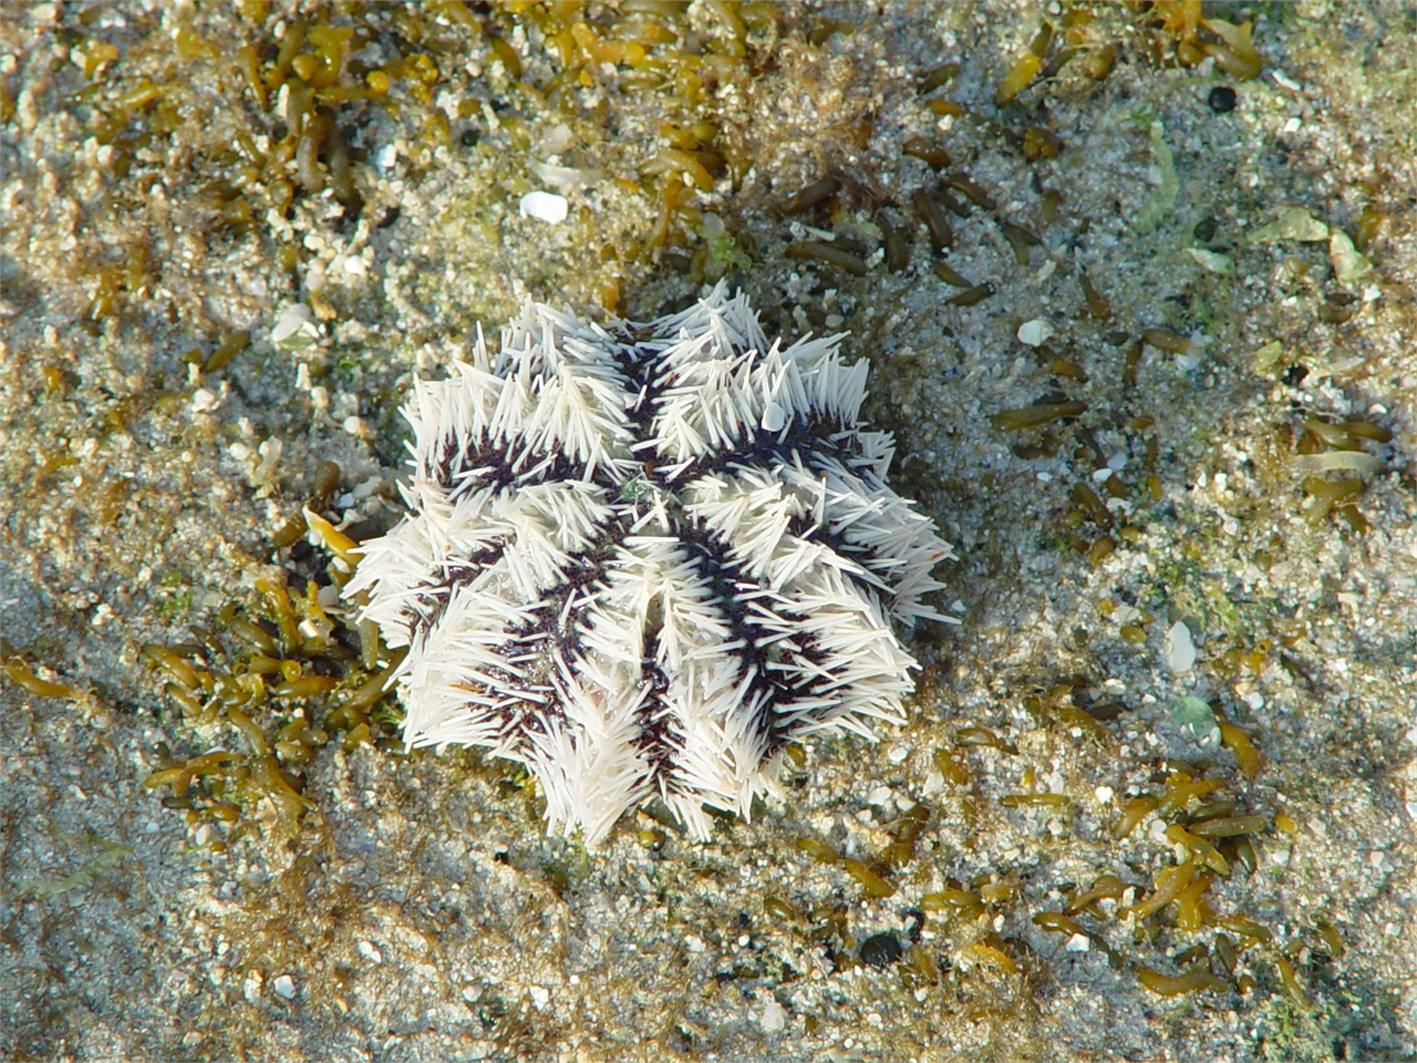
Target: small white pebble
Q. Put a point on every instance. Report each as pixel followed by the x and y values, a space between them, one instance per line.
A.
pixel 1180 649
pixel 295 327
pixel 544 206
pixel 1035 332
pixel 285 986
pixel 774 1017
pixel 555 140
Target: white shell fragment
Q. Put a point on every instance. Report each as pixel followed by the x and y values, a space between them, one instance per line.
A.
pixel 774 1017
pixel 643 558
pixel 295 328
pixel 1036 332
pixel 544 206
pixel 1180 648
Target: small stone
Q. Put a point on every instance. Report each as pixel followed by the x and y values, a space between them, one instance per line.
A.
pixel 1348 265
pixel 1196 717
pixel 774 1017
pixel 295 328
pixel 1180 648
pixel 1295 223
pixel 880 795
pixel 544 206
pixel 1222 99
pixel 1035 333
pixel 1213 261
pixel 881 950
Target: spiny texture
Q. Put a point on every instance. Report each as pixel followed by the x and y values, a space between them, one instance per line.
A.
pixel 641 559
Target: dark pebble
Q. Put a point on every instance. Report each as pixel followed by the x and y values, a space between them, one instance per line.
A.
pixel 881 950
pixel 1222 99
